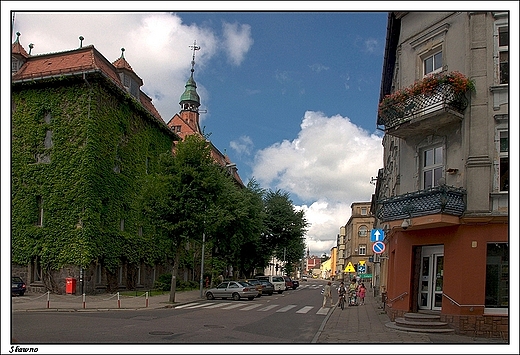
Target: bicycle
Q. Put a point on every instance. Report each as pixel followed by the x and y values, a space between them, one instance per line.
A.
pixel 342 301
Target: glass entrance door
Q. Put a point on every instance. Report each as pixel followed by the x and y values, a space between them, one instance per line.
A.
pixel 431 282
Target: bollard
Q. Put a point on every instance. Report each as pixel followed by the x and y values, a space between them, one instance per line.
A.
pixel 84 303
pixel 118 301
pixel 146 298
pixel 48 299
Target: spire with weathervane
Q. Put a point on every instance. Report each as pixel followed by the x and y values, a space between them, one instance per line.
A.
pixel 190 100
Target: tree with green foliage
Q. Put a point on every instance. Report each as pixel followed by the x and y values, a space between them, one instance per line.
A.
pixel 285 228
pixel 184 197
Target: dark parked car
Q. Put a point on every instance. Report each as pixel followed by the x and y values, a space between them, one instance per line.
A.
pixel 295 284
pixel 257 285
pixel 17 286
pixel 288 283
pixel 268 288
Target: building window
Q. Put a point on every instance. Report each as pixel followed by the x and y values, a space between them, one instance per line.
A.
pixel 363 231
pixel 363 211
pixel 36 275
pixel 497 275
pixel 39 217
pixel 433 63
pixel 120 274
pixel 504 160
pixel 98 274
pixel 432 166
pixel 15 65
pixel 362 249
pixel 503 54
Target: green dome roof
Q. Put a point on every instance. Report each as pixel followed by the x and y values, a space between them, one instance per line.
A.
pixel 190 93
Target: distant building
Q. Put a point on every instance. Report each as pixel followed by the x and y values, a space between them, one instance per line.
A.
pixel 354 244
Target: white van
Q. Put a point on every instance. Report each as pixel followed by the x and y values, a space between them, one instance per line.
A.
pixel 277 281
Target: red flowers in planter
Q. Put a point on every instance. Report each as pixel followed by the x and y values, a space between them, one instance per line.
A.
pixel 427 86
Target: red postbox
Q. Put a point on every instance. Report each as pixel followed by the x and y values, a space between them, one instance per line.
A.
pixel 70 285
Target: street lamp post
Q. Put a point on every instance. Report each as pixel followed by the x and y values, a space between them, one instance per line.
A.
pixel 202 265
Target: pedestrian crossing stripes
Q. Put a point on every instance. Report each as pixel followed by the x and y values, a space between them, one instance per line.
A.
pixel 258 307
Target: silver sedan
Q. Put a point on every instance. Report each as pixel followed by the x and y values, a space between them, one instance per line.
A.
pixel 232 289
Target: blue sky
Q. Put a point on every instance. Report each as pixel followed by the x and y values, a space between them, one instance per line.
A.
pixel 290 96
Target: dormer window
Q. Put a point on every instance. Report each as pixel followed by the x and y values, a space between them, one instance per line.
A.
pixel 15 64
pixel 130 84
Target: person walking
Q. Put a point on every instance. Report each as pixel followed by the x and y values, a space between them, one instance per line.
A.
pixel 362 292
pixel 327 294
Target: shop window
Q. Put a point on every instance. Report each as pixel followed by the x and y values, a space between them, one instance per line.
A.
pixel 497 275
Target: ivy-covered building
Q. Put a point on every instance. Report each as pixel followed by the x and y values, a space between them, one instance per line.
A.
pixel 84 137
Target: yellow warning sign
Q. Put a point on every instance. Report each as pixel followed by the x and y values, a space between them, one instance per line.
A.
pixel 350 267
pixel 361 262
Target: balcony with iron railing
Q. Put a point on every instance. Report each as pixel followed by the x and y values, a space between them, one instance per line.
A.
pixel 426 106
pixel 439 199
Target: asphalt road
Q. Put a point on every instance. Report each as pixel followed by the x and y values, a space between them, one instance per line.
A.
pixel 292 317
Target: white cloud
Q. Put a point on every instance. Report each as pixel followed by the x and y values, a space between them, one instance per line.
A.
pixel 157 46
pixel 242 145
pixel 328 165
pixel 237 41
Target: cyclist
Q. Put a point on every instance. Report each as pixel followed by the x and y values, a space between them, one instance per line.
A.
pixel 342 290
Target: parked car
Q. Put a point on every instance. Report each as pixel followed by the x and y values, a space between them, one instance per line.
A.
pixel 304 277
pixel 288 283
pixel 257 284
pixel 295 284
pixel 17 286
pixel 268 288
pixel 232 289
pixel 277 281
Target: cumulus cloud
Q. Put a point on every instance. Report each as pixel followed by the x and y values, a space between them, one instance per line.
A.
pixel 237 41
pixel 327 166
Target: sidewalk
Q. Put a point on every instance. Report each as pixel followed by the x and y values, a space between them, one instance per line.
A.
pixel 101 302
pixel 366 325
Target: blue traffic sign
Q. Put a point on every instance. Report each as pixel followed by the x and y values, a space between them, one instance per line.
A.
pixel 377 235
pixel 378 247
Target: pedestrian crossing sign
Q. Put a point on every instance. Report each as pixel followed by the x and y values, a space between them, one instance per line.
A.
pixel 350 267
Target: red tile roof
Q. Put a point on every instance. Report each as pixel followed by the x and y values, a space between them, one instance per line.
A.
pixel 76 61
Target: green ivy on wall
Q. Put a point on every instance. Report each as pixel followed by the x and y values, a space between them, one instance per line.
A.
pixel 103 148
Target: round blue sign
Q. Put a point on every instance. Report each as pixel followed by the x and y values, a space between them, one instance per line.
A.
pixel 378 247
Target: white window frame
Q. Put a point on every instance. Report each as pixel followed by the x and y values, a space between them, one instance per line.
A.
pixel 437 165
pixel 362 231
pixel 362 249
pixel 434 56
pixel 499 49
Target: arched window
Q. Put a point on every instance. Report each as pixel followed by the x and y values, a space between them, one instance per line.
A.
pixel 362 231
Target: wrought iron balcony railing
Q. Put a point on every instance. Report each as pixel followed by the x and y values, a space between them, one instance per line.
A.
pixel 439 199
pixel 442 97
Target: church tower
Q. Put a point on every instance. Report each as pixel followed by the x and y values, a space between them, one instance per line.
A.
pixel 190 100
